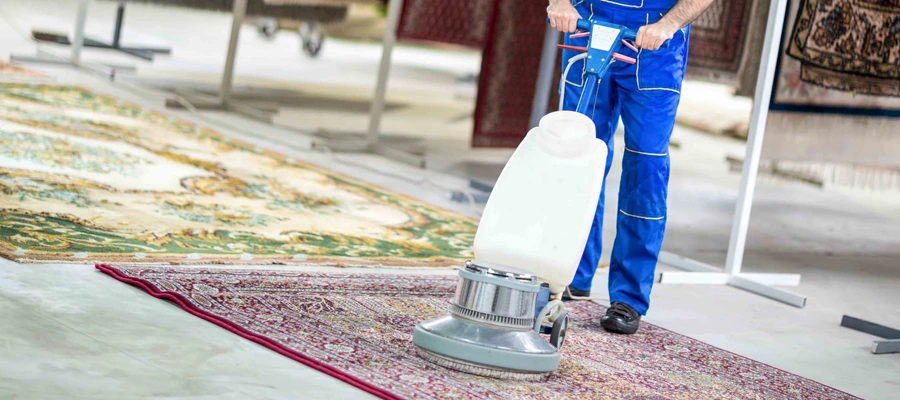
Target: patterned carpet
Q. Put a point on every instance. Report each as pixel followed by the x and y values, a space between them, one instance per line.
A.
pixel 717 36
pixel 12 72
pixel 87 178
pixel 849 45
pixel 358 328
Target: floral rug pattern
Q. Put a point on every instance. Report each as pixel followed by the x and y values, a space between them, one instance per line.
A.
pixel 358 328
pixel 8 70
pixel 85 177
pixel 849 45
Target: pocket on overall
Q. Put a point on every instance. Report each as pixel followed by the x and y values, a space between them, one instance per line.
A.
pixel 662 69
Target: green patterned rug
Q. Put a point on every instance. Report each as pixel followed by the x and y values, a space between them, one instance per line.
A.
pixel 87 178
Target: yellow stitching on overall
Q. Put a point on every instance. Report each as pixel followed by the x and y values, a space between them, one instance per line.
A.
pixel 647 154
pixel 638 216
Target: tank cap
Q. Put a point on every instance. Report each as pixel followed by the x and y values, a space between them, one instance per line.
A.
pixel 567 134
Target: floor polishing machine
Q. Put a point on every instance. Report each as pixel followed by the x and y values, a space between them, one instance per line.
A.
pixel 530 238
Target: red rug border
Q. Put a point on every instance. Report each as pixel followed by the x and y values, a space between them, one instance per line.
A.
pixel 272 345
pixel 327 369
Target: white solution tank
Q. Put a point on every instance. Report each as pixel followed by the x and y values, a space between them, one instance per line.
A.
pixel 539 214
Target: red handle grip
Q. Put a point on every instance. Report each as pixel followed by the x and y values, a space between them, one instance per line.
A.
pixel 576 48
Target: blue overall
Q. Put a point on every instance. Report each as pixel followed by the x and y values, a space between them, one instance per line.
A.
pixel 645 95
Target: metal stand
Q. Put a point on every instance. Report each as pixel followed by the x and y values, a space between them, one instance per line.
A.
pixel 77 44
pixel 224 101
pixel 771 167
pixel 699 273
pixel 372 143
pixel 891 344
pixel 145 53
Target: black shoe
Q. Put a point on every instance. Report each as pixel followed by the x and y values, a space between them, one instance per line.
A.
pixel 572 294
pixel 621 318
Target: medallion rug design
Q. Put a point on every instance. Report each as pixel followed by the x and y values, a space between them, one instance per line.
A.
pixel 86 177
pixel 849 45
pixel 358 328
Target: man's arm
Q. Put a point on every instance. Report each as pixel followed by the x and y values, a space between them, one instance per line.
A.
pixel 684 12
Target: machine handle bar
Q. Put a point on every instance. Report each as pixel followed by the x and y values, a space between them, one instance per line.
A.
pixel 627 33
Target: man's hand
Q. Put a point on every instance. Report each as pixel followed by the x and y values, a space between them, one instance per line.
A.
pixel 563 15
pixel 682 13
pixel 652 36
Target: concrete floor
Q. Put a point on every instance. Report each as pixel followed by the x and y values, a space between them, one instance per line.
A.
pixel 72 332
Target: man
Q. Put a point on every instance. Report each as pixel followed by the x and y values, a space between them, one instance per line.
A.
pixel 645 95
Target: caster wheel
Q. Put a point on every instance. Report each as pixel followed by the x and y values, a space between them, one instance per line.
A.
pixel 558 332
pixel 267 27
pixel 312 48
pixel 311 38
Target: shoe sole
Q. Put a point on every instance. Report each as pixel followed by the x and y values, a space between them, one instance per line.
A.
pixel 577 296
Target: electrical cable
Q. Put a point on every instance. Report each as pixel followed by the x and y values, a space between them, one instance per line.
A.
pixel 562 80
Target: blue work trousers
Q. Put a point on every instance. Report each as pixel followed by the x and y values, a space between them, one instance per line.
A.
pixel 645 95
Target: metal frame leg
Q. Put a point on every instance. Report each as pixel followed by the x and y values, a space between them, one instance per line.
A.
pixel 694 272
pixel 80 41
pixel 891 344
pixel 384 69
pixel 224 101
pixel 700 273
pixel 373 142
pixel 239 12
pixel 885 346
pixel 80 20
pixel 74 59
pixel 120 18
pixel 758 118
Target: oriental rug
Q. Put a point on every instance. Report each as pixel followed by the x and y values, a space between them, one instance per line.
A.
pixel 509 68
pixel 8 70
pixel 840 56
pixel 717 36
pixel 457 22
pixel 358 328
pixel 85 177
